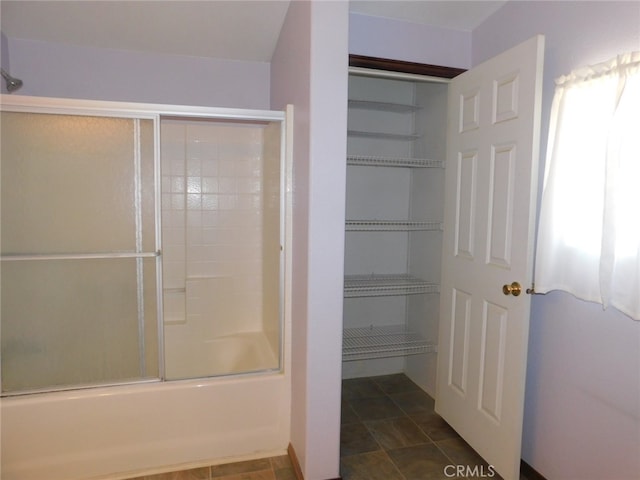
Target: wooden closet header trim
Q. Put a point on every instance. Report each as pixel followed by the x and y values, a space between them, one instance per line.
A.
pixel 401 66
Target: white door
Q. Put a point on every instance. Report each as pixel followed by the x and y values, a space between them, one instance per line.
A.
pixel 491 185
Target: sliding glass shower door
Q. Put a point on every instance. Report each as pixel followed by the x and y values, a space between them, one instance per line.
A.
pixel 78 245
pixel 222 246
pixel 138 243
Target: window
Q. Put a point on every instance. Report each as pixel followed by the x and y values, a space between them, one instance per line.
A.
pixel 589 231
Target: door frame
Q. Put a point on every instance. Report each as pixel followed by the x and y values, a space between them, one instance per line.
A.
pixel 390 68
pixel 401 66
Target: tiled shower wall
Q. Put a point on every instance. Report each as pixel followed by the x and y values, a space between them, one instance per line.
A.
pixel 212 227
pixel 272 248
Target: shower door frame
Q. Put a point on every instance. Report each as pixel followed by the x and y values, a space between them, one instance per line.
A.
pixel 156 113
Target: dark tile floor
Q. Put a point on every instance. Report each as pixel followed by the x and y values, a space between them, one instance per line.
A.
pixel 274 468
pixel 390 431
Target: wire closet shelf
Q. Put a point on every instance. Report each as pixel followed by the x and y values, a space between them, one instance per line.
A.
pixel 386 285
pixel 391 226
pixel 382 342
pixel 380 161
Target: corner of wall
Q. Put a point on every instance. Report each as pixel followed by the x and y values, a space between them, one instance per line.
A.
pixel 309 70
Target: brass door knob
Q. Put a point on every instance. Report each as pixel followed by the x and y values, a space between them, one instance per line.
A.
pixel 514 289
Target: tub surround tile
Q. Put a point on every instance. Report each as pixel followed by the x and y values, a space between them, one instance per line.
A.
pixel 213 226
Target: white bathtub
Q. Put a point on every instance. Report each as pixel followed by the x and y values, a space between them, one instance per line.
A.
pixel 125 431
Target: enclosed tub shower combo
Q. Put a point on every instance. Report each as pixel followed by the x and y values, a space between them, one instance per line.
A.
pixel 144 318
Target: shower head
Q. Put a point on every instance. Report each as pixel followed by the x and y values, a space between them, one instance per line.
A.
pixel 13 84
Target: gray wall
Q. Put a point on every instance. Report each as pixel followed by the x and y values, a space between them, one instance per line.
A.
pixel 582 413
pixel 379 37
pixel 309 70
pixel 66 71
pixel 582 409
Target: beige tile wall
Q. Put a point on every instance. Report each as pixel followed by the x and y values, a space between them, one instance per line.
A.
pixel 213 227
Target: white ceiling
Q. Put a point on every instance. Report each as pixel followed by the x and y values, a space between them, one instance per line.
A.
pixel 230 29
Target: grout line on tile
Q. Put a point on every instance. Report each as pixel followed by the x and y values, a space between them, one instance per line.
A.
pixel 394 464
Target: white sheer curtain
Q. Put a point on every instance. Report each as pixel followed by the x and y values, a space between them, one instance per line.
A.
pixel 589 230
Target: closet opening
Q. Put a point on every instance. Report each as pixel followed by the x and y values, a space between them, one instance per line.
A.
pixel 396 152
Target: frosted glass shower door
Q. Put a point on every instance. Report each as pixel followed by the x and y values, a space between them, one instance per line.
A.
pixel 78 251
pixel 221 228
